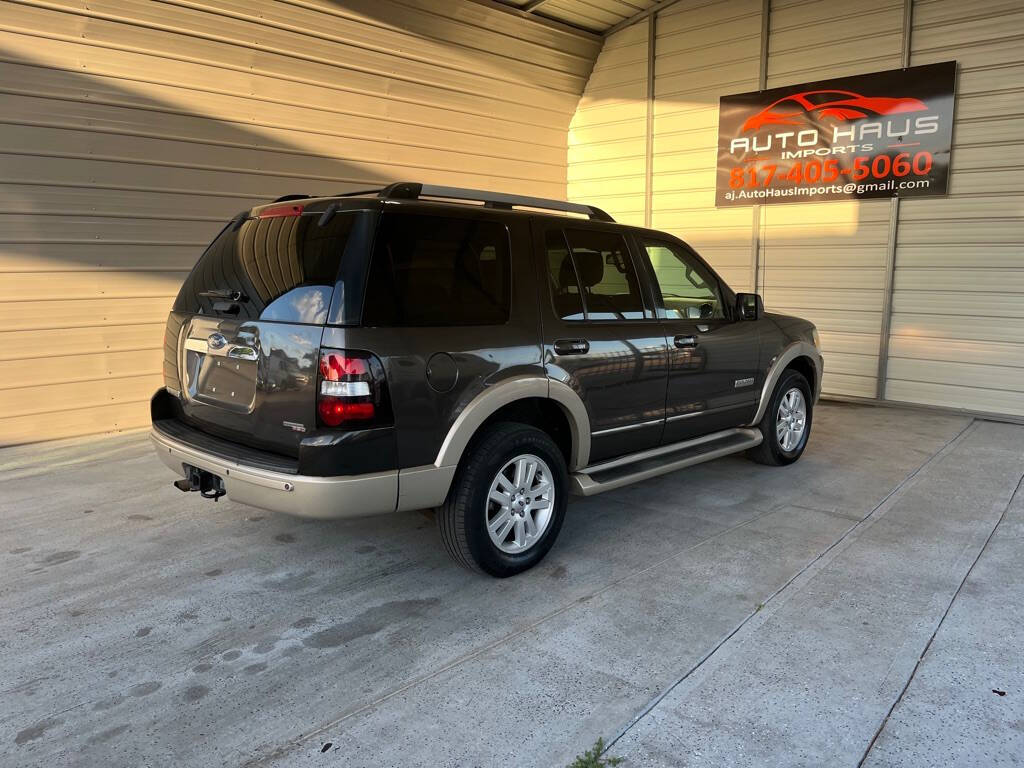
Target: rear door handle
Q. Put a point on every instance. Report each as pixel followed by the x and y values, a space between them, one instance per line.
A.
pixel 571 347
pixel 685 342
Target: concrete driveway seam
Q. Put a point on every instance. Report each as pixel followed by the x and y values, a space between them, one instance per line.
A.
pixel 938 625
pixel 284 749
pixel 802 577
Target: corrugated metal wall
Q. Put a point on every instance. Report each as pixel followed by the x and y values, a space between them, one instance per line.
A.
pixel 957 321
pixel 958 301
pixel 827 261
pixel 702 50
pixel 608 135
pixel 131 130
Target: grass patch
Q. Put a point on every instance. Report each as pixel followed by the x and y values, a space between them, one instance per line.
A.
pixel 592 758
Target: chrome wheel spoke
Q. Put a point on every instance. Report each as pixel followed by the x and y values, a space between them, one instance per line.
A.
pixel 520 535
pixel 530 524
pixel 500 497
pixel 531 473
pixel 541 488
pixel 520 473
pixel 502 533
pixel 503 517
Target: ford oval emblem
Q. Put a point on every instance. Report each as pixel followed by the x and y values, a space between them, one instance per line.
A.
pixel 216 340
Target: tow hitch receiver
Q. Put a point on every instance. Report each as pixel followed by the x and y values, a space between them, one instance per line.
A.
pixel 208 484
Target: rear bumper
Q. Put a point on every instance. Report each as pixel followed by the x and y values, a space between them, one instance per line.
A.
pixel 292 494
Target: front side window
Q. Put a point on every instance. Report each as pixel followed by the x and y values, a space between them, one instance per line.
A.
pixel 438 270
pixel 607 279
pixel 688 289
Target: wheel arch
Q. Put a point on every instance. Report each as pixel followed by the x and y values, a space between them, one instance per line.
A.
pixel 800 356
pixel 547 404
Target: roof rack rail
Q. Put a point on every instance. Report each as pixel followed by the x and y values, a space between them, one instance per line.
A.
pixel 286 198
pixel 359 192
pixel 409 190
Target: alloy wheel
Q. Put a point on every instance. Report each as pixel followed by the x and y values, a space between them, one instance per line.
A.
pixel 791 420
pixel 520 504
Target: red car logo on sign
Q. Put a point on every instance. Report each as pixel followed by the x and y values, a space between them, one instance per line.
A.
pixel 840 106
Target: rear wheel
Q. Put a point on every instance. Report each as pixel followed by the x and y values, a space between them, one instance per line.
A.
pixel 786 424
pixel 507 502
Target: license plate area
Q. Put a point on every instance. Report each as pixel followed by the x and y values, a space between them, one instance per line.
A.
pixel 220 371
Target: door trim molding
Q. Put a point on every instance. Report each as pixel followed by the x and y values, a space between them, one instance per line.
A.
pixel 638 425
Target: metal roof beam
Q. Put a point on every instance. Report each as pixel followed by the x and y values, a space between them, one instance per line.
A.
pixel 538 18
pixel 637 17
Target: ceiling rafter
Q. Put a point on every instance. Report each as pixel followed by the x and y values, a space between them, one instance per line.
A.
pixel 540 18
pixel 636 17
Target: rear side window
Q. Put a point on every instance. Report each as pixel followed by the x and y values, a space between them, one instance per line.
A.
pixel 604 275
pixel 565 283
pixel 282 268
pixel 438 270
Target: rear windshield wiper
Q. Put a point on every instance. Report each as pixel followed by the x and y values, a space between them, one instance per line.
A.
pixel 224 293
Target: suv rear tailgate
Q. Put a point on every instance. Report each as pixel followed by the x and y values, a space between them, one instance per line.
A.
pixel 243 338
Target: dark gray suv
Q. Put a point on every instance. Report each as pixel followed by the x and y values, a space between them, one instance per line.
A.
pixel 484 354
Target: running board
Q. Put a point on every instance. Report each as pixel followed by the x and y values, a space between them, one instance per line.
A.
pixel 624 470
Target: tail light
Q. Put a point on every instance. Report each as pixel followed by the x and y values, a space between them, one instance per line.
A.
pixel 351 390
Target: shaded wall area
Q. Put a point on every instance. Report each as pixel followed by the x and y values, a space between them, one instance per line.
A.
pixel 132 130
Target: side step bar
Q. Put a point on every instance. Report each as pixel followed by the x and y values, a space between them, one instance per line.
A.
pixel 608 475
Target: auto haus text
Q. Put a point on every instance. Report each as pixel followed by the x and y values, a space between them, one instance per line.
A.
pixel 853 138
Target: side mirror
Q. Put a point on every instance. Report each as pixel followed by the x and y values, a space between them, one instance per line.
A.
pixel 749 306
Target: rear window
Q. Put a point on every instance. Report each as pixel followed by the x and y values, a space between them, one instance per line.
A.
pixel 438 270
pixel 606 275
pixel 285 269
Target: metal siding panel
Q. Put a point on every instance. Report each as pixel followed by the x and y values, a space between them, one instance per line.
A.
pixel 603 168
pixel 826 261
pixel 132 132
pixel 959 297
pixel 702 51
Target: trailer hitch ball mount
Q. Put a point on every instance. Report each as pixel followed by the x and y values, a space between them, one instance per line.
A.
pixel 208 484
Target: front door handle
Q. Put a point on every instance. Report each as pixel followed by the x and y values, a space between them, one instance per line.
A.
pixel 685 342
pixel 571 347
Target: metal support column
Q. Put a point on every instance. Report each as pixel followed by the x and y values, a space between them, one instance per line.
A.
pixel 652 22
pixel 762 83
pixel 894 223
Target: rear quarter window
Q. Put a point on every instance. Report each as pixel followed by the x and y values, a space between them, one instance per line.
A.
pixel 438 270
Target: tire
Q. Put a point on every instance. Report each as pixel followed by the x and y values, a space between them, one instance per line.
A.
pixel 464 517
pixel 781 449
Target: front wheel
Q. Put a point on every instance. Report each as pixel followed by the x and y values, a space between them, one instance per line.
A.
pixel 786 424
pixel 507 501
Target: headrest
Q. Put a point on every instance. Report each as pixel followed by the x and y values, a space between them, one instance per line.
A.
pixel 590 265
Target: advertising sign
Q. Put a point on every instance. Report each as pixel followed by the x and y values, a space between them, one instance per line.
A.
pixel 877 135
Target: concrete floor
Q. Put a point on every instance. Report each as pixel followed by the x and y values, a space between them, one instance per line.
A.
pixel 860 607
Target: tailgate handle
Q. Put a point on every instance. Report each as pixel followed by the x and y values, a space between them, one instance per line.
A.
pixel 242 353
